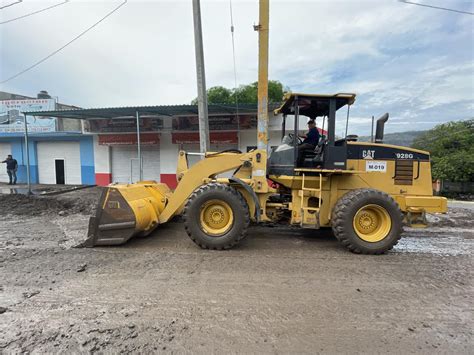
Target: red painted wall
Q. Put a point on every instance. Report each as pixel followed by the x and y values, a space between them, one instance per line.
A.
pixel 169 179
pixel 129 138
pixel 103 179
pixel 214 137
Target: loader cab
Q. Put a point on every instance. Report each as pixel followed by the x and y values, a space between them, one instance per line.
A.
pixel 329 153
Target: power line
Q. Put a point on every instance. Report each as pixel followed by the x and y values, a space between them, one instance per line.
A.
pixel 13 3
pixel 233 43
pixel 437 7
pixel 235 72
pixel 64 46
pixel 33 13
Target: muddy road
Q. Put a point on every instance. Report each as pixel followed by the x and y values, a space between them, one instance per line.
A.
pixel 282 290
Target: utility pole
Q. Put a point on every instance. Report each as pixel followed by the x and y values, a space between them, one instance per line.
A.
pixel 139 149
pixel 262 28
pixel 201 79
pixel 28 178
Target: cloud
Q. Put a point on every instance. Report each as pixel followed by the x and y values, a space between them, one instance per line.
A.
pixel 413 62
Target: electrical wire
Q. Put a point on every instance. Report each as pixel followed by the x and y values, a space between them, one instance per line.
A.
pixel 13 3
pixel 33 13
pixel 64 46
pixel 437 7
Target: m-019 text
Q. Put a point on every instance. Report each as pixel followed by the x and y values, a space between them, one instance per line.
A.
pixel 376 166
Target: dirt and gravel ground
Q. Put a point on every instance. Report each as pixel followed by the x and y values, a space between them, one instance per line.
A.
pixel 283 290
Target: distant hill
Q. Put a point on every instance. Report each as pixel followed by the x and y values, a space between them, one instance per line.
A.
pixel 401 138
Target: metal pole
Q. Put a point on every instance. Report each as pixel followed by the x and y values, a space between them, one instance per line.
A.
pixel 347 119
pixel 263 28
pixel 332 122
pixel 28 180
pixel 322 129
pixel 139 148
pixel 296 127
pixel 201 79
pixel 283 127
pixel 372 131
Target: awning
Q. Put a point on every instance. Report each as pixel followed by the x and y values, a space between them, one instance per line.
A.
pixel 146 111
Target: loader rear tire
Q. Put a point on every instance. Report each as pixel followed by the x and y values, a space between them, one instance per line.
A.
pixel 367 221
pixel 216 216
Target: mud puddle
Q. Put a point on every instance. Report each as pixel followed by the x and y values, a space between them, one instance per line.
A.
pixel 440 246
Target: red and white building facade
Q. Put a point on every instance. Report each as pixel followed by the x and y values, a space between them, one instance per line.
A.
pixel 161 139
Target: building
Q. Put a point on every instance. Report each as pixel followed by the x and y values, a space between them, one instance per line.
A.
pixel 164 130
pixel 59 152
pixel 103 146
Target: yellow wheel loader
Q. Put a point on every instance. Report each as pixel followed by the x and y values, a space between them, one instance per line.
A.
pixel 363 191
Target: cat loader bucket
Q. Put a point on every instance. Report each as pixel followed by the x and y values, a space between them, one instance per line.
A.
pixel 125 211
pixel 128 210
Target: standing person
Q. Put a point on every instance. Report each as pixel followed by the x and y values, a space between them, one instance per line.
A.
pixel 12 167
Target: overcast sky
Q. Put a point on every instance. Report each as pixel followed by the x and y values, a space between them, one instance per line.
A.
pixel 414 62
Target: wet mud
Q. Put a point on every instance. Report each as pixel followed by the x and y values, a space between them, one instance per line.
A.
pixel 282 290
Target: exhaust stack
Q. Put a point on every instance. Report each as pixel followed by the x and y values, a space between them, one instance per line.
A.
pixel 380 126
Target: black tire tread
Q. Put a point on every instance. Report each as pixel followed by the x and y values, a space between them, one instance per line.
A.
pixel 340 213
pixel 207 188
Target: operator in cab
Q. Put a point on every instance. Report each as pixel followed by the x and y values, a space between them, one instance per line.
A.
pixel 310 141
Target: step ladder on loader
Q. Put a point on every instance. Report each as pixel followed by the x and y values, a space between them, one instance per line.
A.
pixel 310 214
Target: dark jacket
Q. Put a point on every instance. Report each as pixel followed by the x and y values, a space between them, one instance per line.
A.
pixel 12 164
pixel 312 137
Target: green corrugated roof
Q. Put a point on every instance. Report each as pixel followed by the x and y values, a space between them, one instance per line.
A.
pixel 130 111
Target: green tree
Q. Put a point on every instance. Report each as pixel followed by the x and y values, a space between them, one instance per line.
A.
pixel 452 150
pixel 217 94
pixel 245 94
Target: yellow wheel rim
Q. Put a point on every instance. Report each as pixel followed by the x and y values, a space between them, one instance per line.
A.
pixel 372 223
pixel 216 217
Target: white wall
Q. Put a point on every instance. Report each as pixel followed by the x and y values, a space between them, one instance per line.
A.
pixel 168 154
pixel 101 157
pixel 5 149
pixel 249 138
pixel 49 152
pixel 126 166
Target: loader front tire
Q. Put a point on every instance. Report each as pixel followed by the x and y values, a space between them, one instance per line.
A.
pixel 216 216
pixel 367 221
